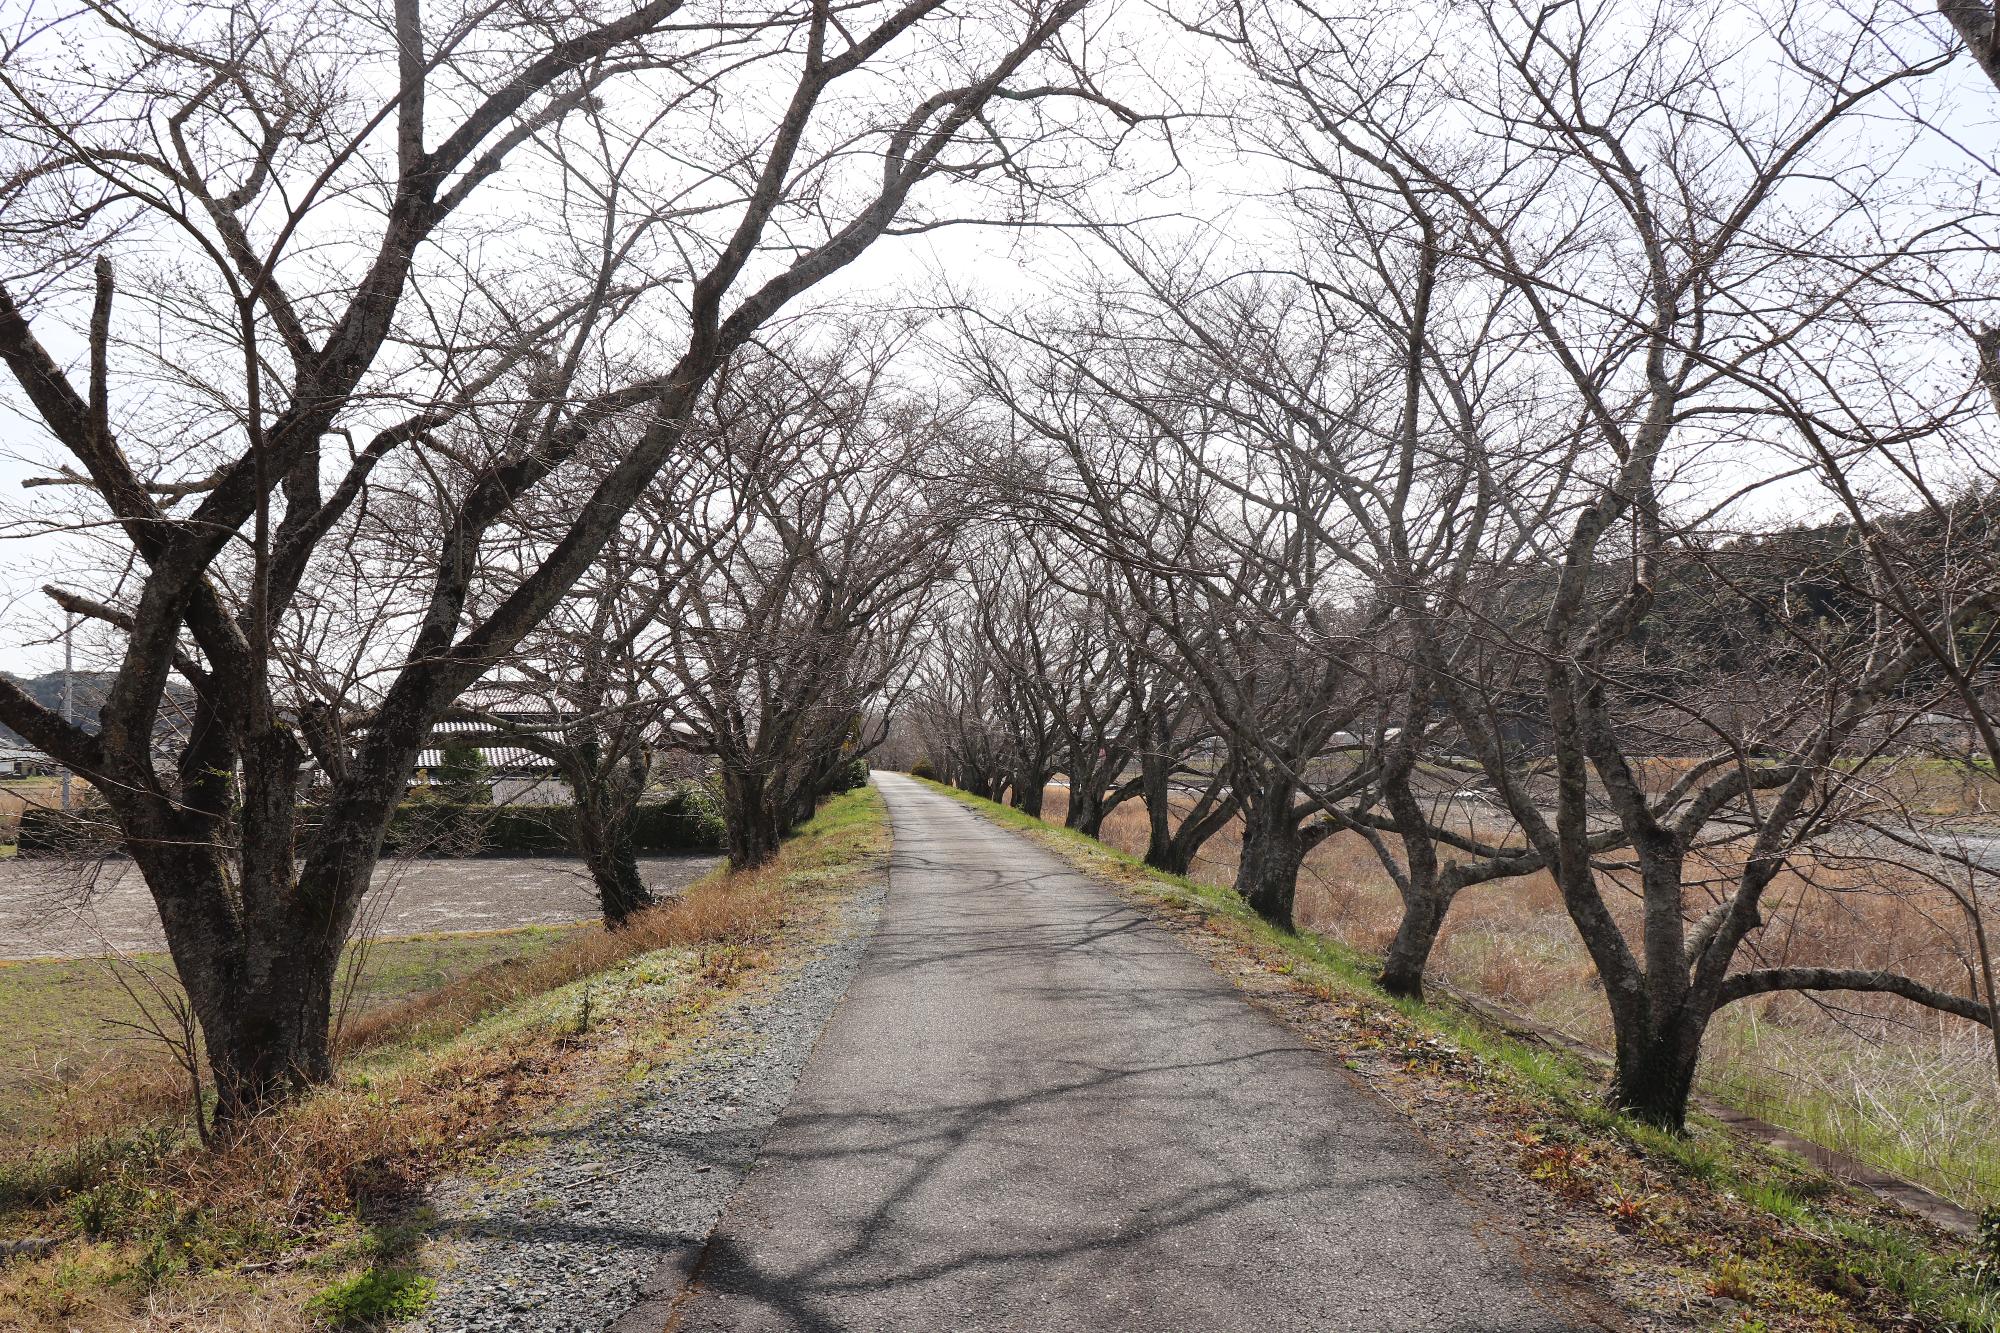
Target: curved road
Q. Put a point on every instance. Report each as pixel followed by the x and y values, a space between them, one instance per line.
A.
pixel 1035 1110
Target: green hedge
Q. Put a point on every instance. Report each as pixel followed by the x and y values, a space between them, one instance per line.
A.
pixel 48 832
pixel 687 820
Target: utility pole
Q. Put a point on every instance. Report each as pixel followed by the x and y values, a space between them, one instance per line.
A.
pixel 69 682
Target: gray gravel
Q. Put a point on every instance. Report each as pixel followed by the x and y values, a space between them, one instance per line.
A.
pixel 599 1229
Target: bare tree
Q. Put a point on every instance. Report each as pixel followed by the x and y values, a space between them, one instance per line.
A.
pixel 1648 227
pixel 1156 456
pixel 581 694
pixel 314 190
pixel 952 705
pixel 791 586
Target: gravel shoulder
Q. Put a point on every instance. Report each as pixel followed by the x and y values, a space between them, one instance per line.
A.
pixel 599 1226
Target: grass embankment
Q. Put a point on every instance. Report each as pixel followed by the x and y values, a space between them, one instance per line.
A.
pixel 1741 1235
pixel 314 1216
pixel 77 1027
pixel 1909 1091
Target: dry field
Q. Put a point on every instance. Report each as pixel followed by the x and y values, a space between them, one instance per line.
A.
pixel 1909 1090
pixel 18 794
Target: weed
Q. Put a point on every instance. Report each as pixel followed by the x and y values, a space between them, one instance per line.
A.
pixel 1628 1209
pixel 372 1297
pixel 1982 1265
pixel 1730 1280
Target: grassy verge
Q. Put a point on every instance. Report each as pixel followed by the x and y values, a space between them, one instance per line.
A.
pixel 1734 1233
pixel 312 1218
pixel 1871 1077
pixel 76 1024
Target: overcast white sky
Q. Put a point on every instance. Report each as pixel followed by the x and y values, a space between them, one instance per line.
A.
pixel 1007 265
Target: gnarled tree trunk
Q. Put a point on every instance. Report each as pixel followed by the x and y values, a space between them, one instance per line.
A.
pixel 752 817
pixel 1409 952
pixel 1267 873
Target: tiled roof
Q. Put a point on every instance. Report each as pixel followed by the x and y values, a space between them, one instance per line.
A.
pixel 505 760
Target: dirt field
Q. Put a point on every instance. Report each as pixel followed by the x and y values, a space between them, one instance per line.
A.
pixel 50 909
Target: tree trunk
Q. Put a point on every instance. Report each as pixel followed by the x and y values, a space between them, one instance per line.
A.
pixel 752 819
pixel 1156 790
pixel 1425 900
pixel 1409 953
pixel 1029 789
pixel 259 983
pixel 274 1039
pixel 1267 874
pixel 1654 1074
pixel 621 890
pixel 606 841
pixel 1086 809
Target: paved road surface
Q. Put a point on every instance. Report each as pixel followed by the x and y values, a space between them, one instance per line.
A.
pixel 1035 1110
pixel 51 909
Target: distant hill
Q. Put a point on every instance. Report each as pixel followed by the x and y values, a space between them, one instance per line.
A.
pixel 90 688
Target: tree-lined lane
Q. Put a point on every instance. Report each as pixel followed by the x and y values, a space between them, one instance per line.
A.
pixel 1036 1110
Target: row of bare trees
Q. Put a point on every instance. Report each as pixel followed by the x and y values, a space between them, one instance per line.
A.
pixel 357 334
pixel 1470 517
pixel 1446 497
pixel 751 621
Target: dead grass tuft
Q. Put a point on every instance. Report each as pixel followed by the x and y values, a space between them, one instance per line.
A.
pixel 727 907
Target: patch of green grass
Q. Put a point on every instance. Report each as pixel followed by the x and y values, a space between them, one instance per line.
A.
pixel 1823 1248
pixel 372 1297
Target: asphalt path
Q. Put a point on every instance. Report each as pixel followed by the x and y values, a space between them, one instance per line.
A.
pixel 1036 1110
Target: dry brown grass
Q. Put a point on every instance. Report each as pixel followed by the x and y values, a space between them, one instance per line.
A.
pixel 141 1085
pixel 725 907
pixel 160 1233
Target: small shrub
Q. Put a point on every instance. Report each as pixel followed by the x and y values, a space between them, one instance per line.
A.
pixel 1982 1262
pixel 923 768
pixel 373 1297
pixel 463 777
pixel 688 820
pixel 852 774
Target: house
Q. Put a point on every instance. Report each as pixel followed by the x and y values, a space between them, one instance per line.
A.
pixel 506 711
pixel 20 761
